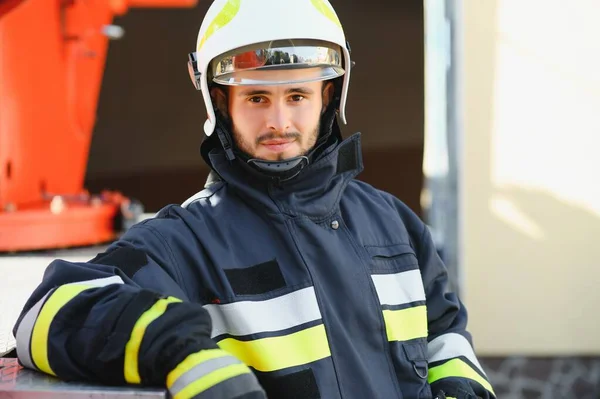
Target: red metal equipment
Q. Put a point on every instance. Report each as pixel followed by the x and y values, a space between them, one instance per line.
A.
pixel 52 59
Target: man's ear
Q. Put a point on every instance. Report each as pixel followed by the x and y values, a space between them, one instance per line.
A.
pixel 328 91
pixel 219 99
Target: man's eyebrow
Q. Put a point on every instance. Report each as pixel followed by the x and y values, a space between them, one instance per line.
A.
pixel 301 90
pixel 262 92
pixel 254 92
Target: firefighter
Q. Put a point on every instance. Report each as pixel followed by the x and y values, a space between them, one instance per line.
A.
pixel 285 277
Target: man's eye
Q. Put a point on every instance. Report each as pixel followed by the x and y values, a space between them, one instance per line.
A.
pixel 255 99
pixel 297 97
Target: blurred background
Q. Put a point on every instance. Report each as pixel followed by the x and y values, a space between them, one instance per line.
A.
pixel 481 115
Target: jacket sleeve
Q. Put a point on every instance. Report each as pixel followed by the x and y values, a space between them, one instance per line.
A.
pixel 98 321
pixel 453 366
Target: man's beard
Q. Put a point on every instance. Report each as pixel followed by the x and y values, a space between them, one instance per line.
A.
pixel 243 146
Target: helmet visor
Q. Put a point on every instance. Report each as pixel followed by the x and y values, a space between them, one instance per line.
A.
pixel 258 65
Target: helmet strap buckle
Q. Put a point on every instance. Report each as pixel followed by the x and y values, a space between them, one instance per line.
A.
pixel 195 75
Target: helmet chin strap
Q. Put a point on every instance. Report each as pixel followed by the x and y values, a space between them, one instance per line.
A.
pixel 278 166
pixel 278 171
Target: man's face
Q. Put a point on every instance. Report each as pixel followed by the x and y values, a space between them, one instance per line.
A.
pixel 276 122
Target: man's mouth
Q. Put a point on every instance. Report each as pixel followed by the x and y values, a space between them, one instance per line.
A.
pixel 277 145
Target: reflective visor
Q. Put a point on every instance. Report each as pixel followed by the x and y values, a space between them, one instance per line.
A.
pixel 302 61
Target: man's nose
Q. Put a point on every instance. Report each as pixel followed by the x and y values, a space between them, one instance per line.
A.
pixel 279 119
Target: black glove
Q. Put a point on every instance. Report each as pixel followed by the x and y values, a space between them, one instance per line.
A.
pixel 454 390
pixel 442 395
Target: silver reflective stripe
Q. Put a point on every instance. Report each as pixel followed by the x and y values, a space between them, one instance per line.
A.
pixel 193 198
pixel 24 332
pixel 234 387
pixel 197 196
pixel 200 371
pixel 399 288
pixel 25 329
pixel 100 282
pixel 449 346
pixel 251 317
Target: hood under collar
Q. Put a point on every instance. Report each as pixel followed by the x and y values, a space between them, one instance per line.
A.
pixel 314 192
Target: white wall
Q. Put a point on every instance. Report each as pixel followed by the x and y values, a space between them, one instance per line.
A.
pixel 531 175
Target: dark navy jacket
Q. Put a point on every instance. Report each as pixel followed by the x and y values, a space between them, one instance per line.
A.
pixel 323 285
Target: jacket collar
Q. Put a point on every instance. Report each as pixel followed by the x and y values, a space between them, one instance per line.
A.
pixel 314 193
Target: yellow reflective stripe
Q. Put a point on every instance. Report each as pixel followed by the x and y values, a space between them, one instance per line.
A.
pixel 326 11
pixel 132 349
pixel 39 339
pixel 229 11
pixel 211 380
pixel 192 361
pixel 276 353
pixel 405 324
pixel 457 368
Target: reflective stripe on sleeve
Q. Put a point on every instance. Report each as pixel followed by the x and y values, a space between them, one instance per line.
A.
pixel 276 353
pixel 100 282
pixel 132 348
pixel 252 317
pixel 400 288
pixel 35 326
pixel 449 346
pixel 210 371
pixel 459 369
pixel 24 331
pixel 234 387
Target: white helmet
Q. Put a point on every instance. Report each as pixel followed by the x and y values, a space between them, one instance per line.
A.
pixel 238 37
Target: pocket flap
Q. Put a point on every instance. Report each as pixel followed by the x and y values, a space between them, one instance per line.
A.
pixel 392 258
pixel 415 352
pixel 389 251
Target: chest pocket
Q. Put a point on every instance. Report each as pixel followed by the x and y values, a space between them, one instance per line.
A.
pixel 397 280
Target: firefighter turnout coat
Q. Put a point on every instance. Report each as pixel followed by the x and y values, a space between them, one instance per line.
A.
pixel 320 287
